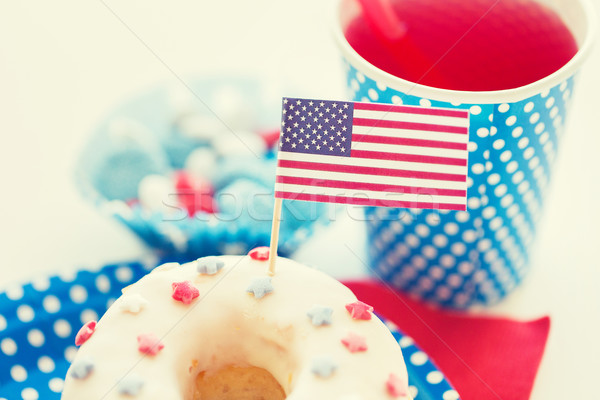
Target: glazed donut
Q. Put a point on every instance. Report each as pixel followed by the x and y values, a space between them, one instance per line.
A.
pixel 222 328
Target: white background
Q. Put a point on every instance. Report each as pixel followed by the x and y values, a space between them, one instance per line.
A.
pixel 65 63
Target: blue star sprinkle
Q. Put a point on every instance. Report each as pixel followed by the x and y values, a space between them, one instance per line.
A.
pixel 131 385
pixel 323 366
pixel 260 287
pixel 81 369
pixel 209 265
pixel 320 315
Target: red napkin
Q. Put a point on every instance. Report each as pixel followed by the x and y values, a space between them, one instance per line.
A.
pixel 483 357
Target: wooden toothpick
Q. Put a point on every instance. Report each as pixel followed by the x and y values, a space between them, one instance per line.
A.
pixel 274 235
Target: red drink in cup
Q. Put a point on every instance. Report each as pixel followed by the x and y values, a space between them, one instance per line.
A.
pixel 473 45
pixel 512 64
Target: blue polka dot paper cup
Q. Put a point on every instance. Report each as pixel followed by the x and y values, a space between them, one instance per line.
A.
pixel 461 259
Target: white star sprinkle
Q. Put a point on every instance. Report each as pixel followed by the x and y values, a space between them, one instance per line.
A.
pixel 133 303
pixel 260 287
pixel 320 315
pixel 323 366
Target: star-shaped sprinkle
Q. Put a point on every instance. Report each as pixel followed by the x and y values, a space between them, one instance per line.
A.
pixel 260 287
pixel 360 310
pixel 133 303
pixel 131 385
pixel 395 386
pixel 82 368
pixel 209 265
pixel 149 344
pixel 355 343
pixel 323 366
pixel 320 315
pixel 259 253
pixel 85 333
pixel 184 292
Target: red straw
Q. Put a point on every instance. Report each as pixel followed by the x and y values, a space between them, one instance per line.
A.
pixel 384 22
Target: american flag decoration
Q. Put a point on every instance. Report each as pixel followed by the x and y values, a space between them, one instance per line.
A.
pixel 373 154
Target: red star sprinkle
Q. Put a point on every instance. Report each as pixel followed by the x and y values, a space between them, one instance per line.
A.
pixel 355 343
pixel 270 137
pixel 359 310
pixel 184 292
pixel 259 253
pixel 149 344
pixel 395 386
pixel 85 333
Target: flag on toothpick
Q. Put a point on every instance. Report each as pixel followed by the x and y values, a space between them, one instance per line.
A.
pixel 370 154
pixel 373 154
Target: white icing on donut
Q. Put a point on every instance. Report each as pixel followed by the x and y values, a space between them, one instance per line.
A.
pixel 228 325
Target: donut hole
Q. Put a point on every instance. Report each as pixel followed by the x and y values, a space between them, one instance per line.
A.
pixel 238 383
pixel 243 356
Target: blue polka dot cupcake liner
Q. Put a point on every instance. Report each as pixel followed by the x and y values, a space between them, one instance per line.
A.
pixel 39 322
pixel 148 135
pixel 475 257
